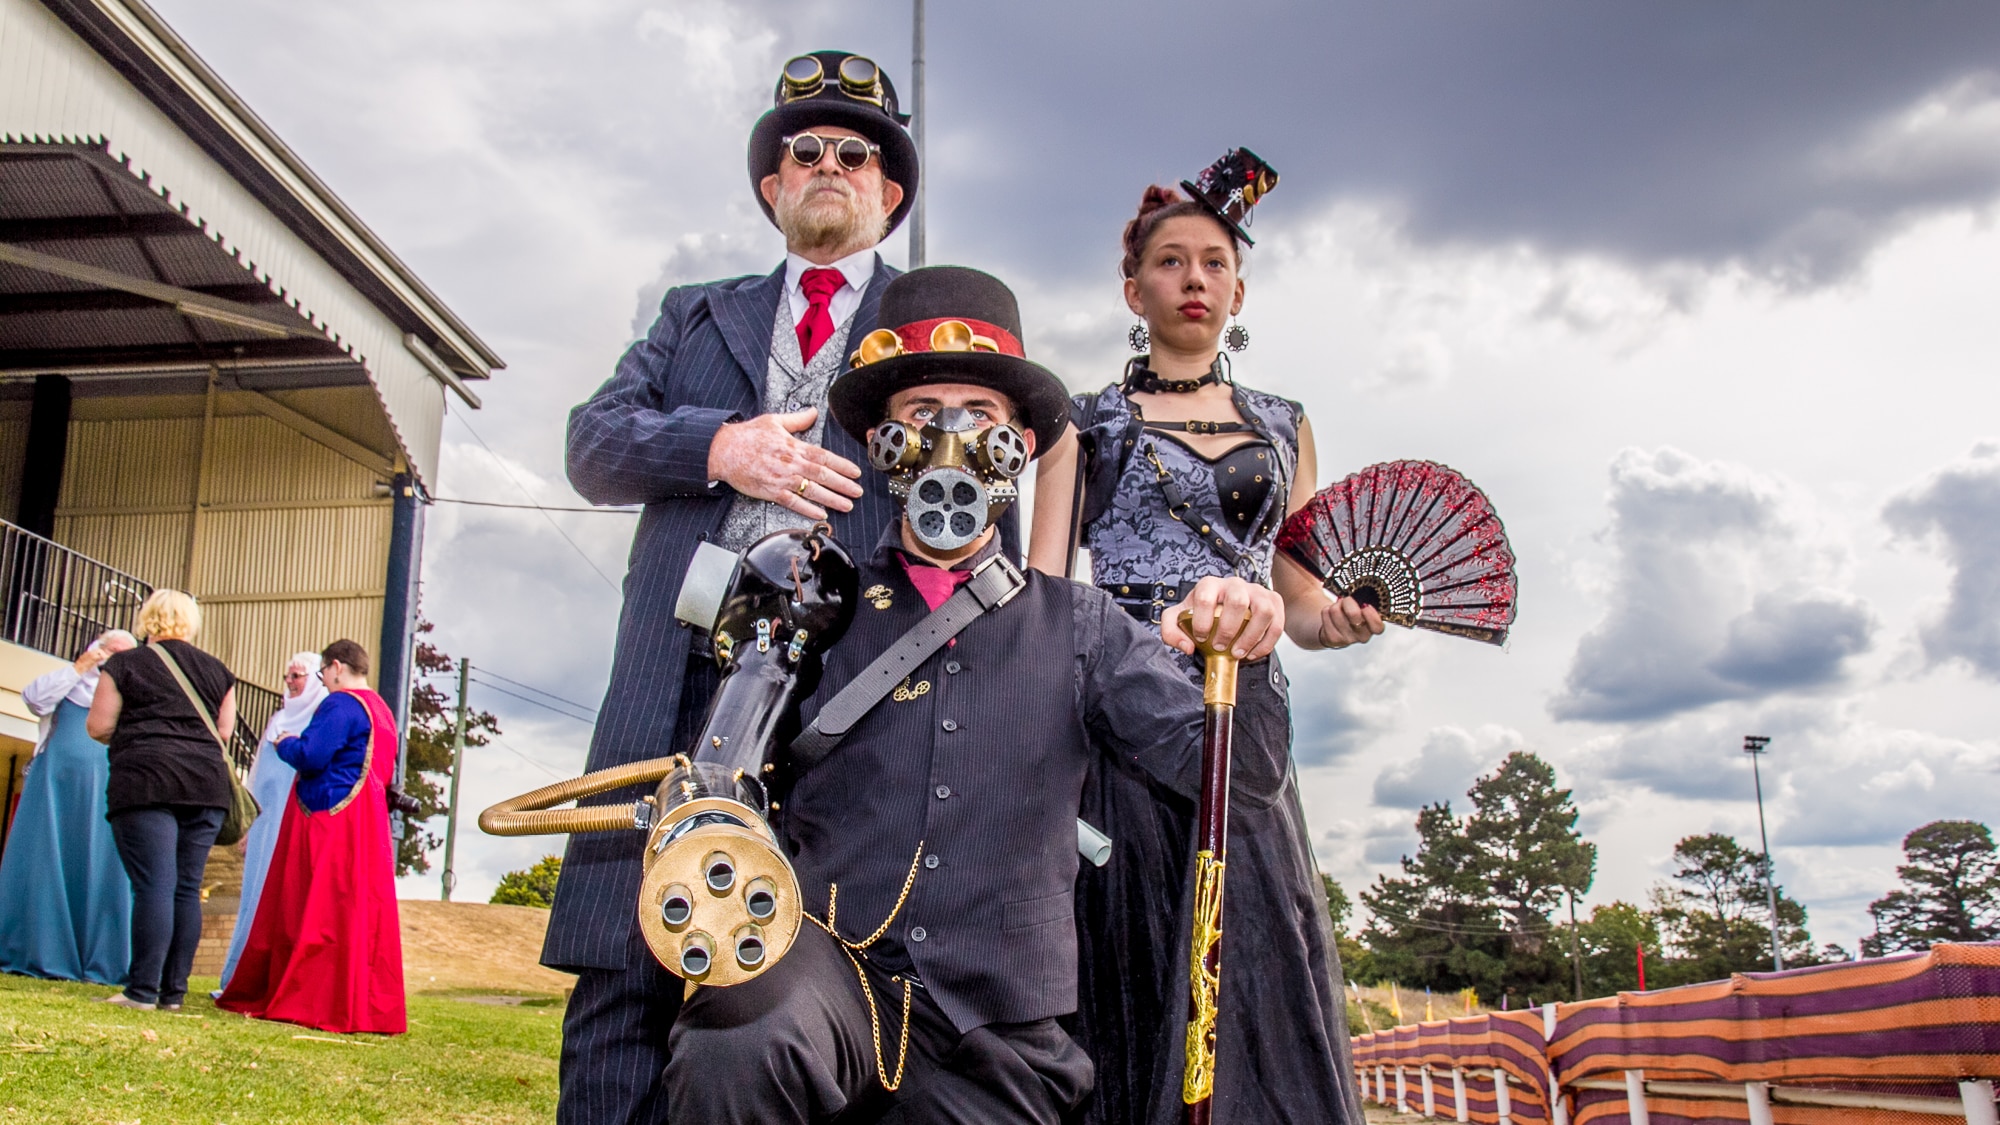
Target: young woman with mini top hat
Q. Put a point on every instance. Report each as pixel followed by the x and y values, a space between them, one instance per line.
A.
pixel 1171 474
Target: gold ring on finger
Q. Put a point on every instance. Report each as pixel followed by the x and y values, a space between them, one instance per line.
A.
pixel 804 483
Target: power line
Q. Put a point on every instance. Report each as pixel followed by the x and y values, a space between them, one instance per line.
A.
pixel 538 691
pixel 559 776
pixel 536 703
pixel 1445 927
pixel 535 507
pixel 524 491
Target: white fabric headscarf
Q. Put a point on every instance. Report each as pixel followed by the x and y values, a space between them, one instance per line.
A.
pixel 298 709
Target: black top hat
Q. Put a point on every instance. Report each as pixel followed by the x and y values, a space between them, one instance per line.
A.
pixel 1231 186
pixel 842 89
pixel 948 324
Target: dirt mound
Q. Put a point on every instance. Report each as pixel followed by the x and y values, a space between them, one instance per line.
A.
pixel 450 945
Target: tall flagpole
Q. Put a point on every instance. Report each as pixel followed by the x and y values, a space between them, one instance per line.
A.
pixel 917 118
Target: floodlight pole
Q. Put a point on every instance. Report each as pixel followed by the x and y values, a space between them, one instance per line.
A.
pixel 1753 745
pixel 917 117
pixel 457 771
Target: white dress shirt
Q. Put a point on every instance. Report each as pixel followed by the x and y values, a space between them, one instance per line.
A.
pixel 47 691
pixel 857 268
pixel 44 692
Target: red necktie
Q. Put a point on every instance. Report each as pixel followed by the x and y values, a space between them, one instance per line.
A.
pixel 816 327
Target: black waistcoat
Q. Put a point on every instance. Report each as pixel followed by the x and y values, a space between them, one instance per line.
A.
pixel 983 761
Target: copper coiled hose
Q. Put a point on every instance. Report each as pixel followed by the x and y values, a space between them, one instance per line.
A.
pixel 529 813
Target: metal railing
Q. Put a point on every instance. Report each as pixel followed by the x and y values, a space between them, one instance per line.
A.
pixel 58 601
pixel 254 708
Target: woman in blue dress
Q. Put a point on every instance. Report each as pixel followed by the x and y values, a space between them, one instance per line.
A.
pixel 68 912
pixel 271 783
pixel 1185 474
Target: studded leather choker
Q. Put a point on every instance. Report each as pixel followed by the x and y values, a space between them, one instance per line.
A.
pixel 1139 377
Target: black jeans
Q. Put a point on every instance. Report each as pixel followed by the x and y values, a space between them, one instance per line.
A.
pixel 165 849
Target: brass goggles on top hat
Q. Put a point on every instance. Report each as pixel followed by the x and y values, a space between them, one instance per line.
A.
pixel 950 336
pixel 808 149
pixel 859 78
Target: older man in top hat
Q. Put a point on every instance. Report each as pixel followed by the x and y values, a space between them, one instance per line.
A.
pixel 716 422
pixel 929 985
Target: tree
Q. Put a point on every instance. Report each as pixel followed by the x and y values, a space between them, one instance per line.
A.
pixel 1524 829
pixel 433 716
pixel 535 886
pixel 1611 939
pixel 1434 926
pixel 1473 908
pixel 1950 891
pixel 1354 960
pixel 1718 920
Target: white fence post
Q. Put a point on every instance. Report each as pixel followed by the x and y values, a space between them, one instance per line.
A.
pixel 1558 1112
pixel 1978 1099
pixel 1758 1094
pixel 1501 1100
pixel 1402 1091
pixel 1635 1097
pixel 1459 1110
pixel 1430 1092
pixel 1381 1086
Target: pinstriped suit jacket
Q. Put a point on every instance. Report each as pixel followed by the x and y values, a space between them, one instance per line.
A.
pixel 643 438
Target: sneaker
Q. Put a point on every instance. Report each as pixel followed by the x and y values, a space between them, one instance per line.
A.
pixel 170 1007
pixel 125 1001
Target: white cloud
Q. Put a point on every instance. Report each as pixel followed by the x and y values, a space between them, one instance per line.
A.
pixel 1718 592
pixel 1342 699
pixel 1447 764
pixel 1958 509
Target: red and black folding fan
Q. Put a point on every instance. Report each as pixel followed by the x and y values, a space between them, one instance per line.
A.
pixel 1417 541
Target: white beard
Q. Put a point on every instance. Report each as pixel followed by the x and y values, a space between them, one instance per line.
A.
pixel 840 219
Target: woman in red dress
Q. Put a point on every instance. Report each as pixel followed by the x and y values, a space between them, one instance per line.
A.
pixel 325 949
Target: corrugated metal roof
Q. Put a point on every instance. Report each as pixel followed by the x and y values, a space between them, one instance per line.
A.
pixel 135 39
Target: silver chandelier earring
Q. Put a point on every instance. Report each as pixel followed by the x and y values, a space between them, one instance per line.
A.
pixel 1237 338
pixel 1139 338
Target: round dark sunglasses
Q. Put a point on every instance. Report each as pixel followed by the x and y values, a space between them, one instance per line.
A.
pixel 809 149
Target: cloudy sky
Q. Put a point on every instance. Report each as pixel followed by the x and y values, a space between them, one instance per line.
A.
pixel 1692 291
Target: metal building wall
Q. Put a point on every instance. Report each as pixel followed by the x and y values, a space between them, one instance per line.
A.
pixel 13 439
pixel 284 542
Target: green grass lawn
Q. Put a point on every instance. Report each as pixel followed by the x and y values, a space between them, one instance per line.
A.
pixel 66 1058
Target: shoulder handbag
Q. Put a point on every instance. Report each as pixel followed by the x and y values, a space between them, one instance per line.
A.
pixel 243 808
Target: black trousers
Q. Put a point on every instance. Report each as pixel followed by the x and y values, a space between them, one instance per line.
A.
pixel 798 1045
pixel 165 849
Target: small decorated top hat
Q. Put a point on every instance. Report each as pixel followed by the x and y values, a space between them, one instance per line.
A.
pixel 843 89
pixel 1231 186
pixel 949 324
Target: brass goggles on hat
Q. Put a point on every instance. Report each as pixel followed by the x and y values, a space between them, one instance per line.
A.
pixel 859 78
pixel 852 153
pixel 950 336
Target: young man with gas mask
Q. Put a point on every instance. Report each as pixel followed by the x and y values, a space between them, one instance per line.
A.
pixel 716 422
pixel 932 826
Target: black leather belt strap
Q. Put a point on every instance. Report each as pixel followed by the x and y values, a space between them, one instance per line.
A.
pixel 1147 601
pixel 993 585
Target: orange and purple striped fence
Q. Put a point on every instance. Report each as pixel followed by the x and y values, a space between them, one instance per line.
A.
pixel 1906 1040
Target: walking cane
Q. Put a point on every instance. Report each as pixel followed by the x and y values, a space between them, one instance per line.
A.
pixel 1218 696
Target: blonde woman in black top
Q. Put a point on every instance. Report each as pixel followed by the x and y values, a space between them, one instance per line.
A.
pixel 168 789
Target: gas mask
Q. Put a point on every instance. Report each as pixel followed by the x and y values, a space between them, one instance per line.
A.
pixel 953 478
